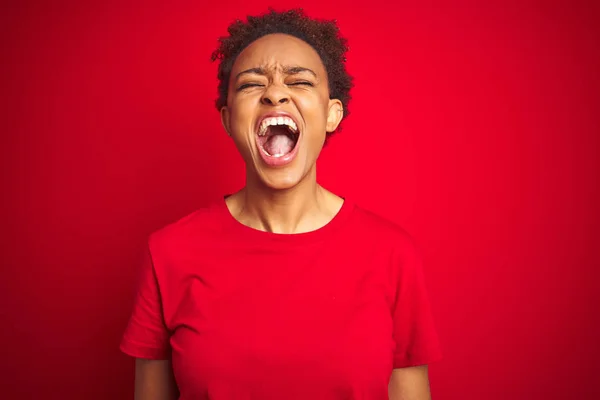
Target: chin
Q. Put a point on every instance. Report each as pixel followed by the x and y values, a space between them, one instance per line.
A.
pixel 281 179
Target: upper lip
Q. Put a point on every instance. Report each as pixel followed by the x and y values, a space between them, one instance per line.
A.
pixel 276 114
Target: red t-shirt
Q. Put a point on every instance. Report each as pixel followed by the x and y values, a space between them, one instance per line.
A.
pixel 247 314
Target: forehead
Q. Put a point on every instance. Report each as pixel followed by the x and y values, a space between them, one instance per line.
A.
pixel 276 50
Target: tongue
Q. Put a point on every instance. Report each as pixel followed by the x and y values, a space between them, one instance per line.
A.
pixel 278 145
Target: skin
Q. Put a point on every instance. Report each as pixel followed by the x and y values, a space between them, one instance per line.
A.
pixel 285 199
pixel 280 72
pixel 411 383
pixel 154 380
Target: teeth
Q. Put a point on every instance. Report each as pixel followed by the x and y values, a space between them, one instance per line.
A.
pixel 272 121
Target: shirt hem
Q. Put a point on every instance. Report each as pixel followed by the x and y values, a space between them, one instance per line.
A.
pixel 149 353
pixel 416 361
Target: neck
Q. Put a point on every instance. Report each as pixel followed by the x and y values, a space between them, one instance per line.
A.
pixel 302 208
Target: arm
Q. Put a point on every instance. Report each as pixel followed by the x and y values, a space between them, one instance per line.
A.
pixel 411 383
pixel 154 380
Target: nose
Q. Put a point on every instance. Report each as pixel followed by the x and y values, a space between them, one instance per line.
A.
pixel 274 95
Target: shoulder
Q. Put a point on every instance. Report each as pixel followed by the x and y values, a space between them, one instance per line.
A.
pixel 381 228
pixel 196 227
pixel 388 243
pixel 387 238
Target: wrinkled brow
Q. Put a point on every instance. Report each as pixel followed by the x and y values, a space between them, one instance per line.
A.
pixel 288 70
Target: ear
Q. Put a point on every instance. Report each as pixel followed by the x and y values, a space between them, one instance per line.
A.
pixel 335 113
pixel 225 114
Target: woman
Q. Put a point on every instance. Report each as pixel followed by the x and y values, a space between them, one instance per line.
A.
pixel 282 290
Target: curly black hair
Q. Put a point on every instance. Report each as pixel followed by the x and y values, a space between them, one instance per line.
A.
pixel 322 35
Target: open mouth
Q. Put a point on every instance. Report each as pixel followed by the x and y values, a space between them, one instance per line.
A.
pixel 277 136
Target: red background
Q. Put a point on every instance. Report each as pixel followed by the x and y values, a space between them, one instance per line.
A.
pixel 474 125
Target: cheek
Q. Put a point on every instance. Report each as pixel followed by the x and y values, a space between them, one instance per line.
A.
pixel 242 109
pixel 314 109
pixel 241 119
pixel 241 127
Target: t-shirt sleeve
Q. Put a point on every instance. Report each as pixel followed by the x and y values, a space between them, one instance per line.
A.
pixel 146 335
pixel 415 336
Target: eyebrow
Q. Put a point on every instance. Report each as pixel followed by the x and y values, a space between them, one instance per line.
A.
pixel 288 70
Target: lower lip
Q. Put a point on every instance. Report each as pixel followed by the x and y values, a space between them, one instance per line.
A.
pixel 279 161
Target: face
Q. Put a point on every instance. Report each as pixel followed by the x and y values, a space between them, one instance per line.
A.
pixel 278 109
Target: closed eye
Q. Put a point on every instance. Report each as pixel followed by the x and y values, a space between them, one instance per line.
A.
pixel 248 85
pixel 300 83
